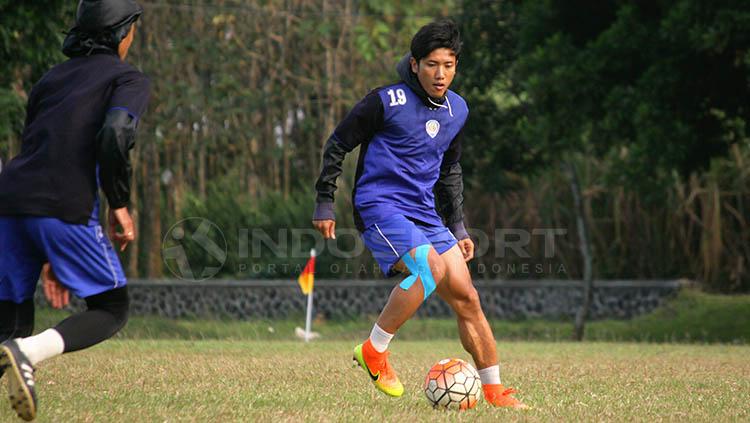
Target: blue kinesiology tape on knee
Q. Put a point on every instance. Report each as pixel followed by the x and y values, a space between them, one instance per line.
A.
pixel 413 269
pixel 419 268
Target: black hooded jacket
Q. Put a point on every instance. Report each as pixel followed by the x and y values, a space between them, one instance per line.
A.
pixel 81 118
pixel 358 128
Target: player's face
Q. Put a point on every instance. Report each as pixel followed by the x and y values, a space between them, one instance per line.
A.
pixel 436 71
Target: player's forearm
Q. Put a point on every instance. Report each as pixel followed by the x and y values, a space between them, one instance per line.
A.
pixel 324 211
pixel 115 140
pixel 458 230
pixel 359 126
pixel 449 199
pixel 333 158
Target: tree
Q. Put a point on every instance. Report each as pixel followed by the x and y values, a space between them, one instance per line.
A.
pixel 30 42
pixel 649 92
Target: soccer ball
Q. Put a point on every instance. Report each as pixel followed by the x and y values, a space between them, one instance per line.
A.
pixel 452 383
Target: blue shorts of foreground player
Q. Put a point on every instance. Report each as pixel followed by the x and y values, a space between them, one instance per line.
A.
pixel 394 236
pixel 81 257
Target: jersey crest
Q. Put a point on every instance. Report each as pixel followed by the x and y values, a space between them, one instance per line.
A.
pixel 432 127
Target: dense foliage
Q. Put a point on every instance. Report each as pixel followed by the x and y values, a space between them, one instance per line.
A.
pixel 648 100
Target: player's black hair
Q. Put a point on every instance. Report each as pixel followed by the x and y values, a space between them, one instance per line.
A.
pixel 442 33
pixel 100 25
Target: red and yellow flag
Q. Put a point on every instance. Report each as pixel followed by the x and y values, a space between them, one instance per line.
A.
pixel 307 278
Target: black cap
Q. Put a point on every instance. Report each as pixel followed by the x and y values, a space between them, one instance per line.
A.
pixel 100 15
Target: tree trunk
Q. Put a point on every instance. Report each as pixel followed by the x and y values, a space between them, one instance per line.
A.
pixel 179 179
pixel 132 252
pixel 153 207
pixel 330 78
pixel 286 152
pixel 11 149
pixel 202 170
pixel 585 246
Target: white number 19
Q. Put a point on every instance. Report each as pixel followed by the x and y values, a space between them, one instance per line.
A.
pixel 397 99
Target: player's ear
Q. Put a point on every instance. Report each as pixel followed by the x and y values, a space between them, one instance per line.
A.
pixel 124 46
pixel 414 65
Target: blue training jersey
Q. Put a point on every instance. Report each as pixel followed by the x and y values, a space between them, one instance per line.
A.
pixel 410 146
pixel 403 160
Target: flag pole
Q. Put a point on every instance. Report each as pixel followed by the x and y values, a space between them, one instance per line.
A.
pixel 308 319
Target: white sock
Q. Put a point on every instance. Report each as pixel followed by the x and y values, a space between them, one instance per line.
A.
pixel 380 338
pixel 40 347
pixel 490 375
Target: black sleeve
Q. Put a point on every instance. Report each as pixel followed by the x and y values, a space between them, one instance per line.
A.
pixel 449 196
pixel 362 122
pixel 117 137
pixel 131 93
pixel 115 140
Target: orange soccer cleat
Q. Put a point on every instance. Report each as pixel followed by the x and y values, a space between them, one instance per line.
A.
pixel 378 368
pixel 500 396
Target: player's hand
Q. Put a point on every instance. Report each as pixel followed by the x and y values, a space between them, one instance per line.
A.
pixel 121 217
pixel 57 295
pixel 326 227
pixel 467 248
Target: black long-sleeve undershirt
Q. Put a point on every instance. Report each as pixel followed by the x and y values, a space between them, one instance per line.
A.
pixel 114 142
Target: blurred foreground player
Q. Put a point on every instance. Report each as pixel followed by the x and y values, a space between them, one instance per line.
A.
pixel 410 135
pixel 81 121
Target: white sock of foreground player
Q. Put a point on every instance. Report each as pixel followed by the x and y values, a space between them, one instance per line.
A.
pixel 42 346
pixel 490 375
pixel 380 338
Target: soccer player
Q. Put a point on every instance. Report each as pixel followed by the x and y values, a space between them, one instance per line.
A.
pixel 81 121
pixel 410 136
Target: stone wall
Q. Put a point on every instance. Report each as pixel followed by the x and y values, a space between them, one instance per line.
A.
pixel 341 298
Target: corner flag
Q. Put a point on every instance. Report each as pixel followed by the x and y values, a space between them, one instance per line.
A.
pixel 307 278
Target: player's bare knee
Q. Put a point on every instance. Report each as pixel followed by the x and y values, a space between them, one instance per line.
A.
pixel 474 305
pixel 425 266
pixel 467 303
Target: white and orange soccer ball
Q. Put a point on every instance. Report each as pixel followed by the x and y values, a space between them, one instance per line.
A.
pixel 453 383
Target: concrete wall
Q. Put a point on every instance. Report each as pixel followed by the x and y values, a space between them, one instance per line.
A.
pixel 342 298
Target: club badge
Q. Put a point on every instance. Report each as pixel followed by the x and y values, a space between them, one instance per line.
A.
pixel 432 127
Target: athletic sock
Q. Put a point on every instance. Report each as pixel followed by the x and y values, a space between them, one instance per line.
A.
pixel 490 375
pixel 380 338
pixel 42 346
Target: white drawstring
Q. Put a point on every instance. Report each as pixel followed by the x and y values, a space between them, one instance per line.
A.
pixel 450 111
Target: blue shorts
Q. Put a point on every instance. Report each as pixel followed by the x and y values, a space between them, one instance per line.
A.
pixel 394 236
pixel 81 257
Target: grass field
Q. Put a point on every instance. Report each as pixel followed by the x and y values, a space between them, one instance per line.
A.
pixel 161 370
pixel 691 317
pixel 222 381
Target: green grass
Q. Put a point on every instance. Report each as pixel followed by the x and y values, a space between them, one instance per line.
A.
pixel 249 381
pixel 162 370
pixel 691 317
